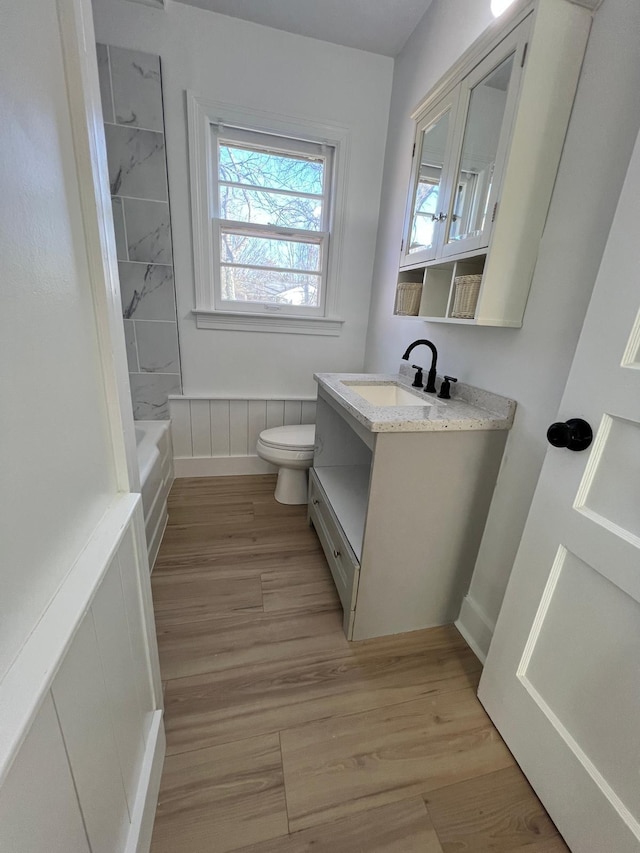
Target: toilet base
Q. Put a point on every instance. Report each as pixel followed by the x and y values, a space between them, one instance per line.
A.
pixel 292 486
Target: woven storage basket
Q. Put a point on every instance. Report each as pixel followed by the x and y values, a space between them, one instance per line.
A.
pixel 408 297
pixel 467 288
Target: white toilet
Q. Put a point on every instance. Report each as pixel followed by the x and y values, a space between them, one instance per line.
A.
pixel 291 449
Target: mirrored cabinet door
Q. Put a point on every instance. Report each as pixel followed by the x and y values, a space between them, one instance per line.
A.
pixel 488 101
pixel 431 184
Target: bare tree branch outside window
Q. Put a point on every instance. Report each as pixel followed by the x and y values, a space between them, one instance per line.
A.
pixel 271 208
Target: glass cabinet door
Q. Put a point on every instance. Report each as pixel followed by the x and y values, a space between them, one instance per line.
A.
pixel 488 102
pixel 429 198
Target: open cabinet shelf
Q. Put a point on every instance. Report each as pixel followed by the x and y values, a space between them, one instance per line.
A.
pixel 438 282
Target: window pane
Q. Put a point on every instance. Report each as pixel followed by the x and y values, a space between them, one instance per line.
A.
pixel 246 285
pixel 269 252
pixel 276 171
pixel 270 208
pixel 426 204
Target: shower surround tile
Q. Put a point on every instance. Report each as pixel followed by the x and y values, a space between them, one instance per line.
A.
pixel 104 76
pixel 131 93
pixel 149 392
pixel 137 88
pixel 130 343
pixel 148 231
pixel 118 225
pixel 137 166
pixel 147 291
pixel 157 347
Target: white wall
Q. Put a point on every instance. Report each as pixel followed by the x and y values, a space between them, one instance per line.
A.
pixel 254 66
pixel 80 690
pixel 56 459
pixel 528 364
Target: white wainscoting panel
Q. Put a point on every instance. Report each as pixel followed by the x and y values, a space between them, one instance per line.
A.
pixel 239 427
pixel 40 775
pixel 201 428
pixel 256 420
pixel 220 427
pixel 114 643
pixel 82 740
pixel 181 429
pixel 217 437
pixel 292 412
pixel 308 413
pixel 142 647
pixel 275 413
pixel 83 708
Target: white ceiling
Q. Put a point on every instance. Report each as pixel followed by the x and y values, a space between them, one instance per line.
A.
pixel 379 26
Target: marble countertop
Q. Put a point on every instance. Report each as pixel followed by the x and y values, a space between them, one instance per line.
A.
pixel 469 408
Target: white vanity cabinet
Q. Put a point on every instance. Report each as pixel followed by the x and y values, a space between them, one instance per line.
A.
pixel 400 516
pixel 488 143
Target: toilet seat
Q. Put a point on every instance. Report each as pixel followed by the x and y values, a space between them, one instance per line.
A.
pixel 297 437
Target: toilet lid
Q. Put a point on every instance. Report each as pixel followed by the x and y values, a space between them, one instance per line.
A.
pixel 294 437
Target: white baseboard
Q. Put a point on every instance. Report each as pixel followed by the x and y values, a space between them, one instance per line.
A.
pixel 221 466
pixel 144 810
pixel 476 627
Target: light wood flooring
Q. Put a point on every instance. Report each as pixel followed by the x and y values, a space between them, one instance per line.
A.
pixel 282 736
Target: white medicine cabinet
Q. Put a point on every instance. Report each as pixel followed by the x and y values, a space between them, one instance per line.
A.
pixel 487 147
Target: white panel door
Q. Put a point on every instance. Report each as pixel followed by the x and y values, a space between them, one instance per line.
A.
pixel 562 680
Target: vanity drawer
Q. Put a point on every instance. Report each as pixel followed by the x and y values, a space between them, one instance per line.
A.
pixel 341 559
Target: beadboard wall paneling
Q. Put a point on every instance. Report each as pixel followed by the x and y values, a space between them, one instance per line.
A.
pixel 218 437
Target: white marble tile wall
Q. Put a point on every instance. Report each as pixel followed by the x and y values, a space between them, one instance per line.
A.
pixel 131 91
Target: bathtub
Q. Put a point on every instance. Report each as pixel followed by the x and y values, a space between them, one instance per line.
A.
pixel 155 460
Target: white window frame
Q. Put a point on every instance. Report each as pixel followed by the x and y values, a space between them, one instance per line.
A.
pixel 205 116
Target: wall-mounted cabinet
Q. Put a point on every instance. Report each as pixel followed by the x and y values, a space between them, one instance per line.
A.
pixel 486 152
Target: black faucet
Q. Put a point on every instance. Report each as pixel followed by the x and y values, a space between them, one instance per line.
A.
pixel 431 378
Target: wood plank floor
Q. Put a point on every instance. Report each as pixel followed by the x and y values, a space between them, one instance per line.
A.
pixel 282 737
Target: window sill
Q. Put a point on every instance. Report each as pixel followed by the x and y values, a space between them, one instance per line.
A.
pixel 240 321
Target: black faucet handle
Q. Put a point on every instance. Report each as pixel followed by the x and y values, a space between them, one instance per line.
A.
pixel 417 379
pixel 445 388
pixel 430 387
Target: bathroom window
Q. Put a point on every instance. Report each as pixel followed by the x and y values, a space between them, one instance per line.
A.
pixel 271 228
pixel 266 207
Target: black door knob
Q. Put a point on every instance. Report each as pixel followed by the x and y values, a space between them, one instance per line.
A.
pixel 575 434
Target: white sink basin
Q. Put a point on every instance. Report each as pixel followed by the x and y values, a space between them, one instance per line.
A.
pixel 388 395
